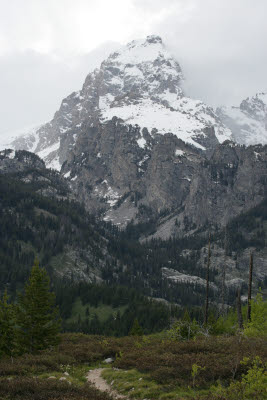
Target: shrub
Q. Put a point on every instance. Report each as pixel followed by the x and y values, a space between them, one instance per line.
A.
pixel 47 389
pixel 257 327
pixel 252 386
pixel 186 330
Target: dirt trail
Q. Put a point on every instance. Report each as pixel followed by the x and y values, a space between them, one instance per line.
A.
pixel 96 379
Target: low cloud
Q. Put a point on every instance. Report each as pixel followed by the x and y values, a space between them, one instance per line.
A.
pixel 33 84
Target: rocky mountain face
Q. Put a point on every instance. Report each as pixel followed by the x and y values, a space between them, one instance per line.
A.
pixel 248 122
pixel 168 180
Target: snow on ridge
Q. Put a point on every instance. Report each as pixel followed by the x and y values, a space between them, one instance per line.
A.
pixel 47 150
pixel 153 115
pixel 54 163
pixel 50 156
pixel 140 51
pixel 143 63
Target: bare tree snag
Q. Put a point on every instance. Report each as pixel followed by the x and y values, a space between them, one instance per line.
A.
pixel 239 310
pixel 250 286
pixel 207 287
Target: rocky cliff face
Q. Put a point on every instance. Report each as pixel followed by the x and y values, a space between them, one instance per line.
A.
pixel 167 180
pixel 248 122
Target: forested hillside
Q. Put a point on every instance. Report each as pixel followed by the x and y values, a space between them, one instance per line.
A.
pixel 84 254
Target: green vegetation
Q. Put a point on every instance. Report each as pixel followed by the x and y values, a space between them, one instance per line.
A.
pixel 29 388
pixel 37 318
pixel 184 362
pixel 253 384
pixel 7 327
pixel 136 329
pixel 152 367
pixel 33 323
pixel 82 311
pixel 110 310
pixel 34 225
pixel 249 229
pixel 257 327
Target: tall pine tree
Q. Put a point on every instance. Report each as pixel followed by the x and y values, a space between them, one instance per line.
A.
pixel 38 318
pixel 8 343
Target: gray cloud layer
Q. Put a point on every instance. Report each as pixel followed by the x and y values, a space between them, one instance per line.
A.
pixel 220 45
pixel 33 84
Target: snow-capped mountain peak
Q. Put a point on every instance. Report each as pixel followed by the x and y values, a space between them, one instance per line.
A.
pixel 144 67
pixel 141 84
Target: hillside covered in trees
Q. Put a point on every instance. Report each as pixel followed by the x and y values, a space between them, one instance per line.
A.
pixel 39 218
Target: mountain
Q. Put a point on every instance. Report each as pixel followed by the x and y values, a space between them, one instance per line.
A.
pixel 168 181
pixel 39 218
pixel 145 174
pixel 248 122
pixel 134 148
pixel 140 84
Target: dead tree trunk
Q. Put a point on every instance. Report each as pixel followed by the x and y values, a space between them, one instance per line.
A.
pixel 250 287
pixel 239 310
pixel 223 274
pixel 207 287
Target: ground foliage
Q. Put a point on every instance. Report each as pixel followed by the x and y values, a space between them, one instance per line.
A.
pixel 28 388
pixel 169 363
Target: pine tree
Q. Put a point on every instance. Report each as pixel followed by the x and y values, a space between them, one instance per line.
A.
pixel 136 329
pixel 8 344
pixel 38 318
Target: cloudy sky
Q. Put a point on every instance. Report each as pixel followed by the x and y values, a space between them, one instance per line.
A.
pixel 48 46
